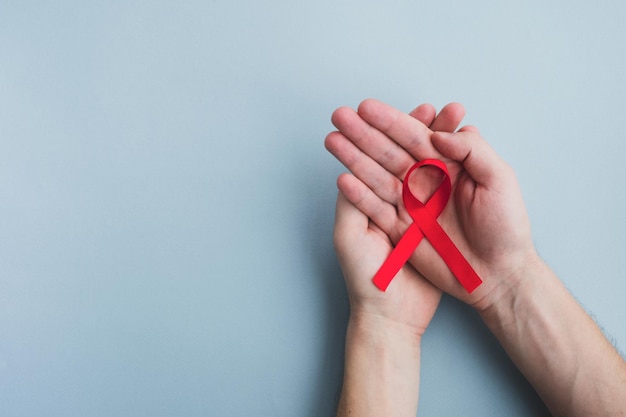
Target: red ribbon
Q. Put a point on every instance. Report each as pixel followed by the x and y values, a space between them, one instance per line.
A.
pixel 425 224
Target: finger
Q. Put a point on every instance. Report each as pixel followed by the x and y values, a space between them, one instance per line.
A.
pixel 406 131
pixel 449 118
pixel 372 142
pixel 379 211
pixel 478 158
pixel 347 216
pixel 425 113
pixel 349 221
pixel 470 128
pixel 383 183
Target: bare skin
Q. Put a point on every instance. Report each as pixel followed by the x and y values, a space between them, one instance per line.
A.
pixel 550 338
pixel 385 329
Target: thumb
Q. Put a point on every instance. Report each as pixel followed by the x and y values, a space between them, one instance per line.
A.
pixel 468 148
pixel 348 221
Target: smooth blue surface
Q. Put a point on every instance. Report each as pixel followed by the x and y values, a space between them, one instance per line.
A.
pixel 166 203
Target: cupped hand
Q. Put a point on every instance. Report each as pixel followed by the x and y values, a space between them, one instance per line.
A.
pixel 485 216
pixel 362 246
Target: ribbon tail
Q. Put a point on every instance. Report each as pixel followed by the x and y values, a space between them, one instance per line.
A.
pixel 398 257
pixel 442 243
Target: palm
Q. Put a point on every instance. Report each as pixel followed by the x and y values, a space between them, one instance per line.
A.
pixel 362 247
pixel 379 144
pixel 478 218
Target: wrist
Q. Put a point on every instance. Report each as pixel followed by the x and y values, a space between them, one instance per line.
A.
pixel 513 285
pixel 374 325
pixel 556 345
pixel 382 368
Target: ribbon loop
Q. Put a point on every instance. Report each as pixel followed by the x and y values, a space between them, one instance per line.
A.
pixel 425 224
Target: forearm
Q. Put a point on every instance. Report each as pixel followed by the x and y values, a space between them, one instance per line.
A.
pixel 558 347
pixel 382 364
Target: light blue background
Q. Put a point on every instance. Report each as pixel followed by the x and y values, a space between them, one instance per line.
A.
pixel 166 203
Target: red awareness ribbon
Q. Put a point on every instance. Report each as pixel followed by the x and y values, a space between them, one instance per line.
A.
pixel 425 225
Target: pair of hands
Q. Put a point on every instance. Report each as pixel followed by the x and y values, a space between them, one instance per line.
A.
pixel 485 216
